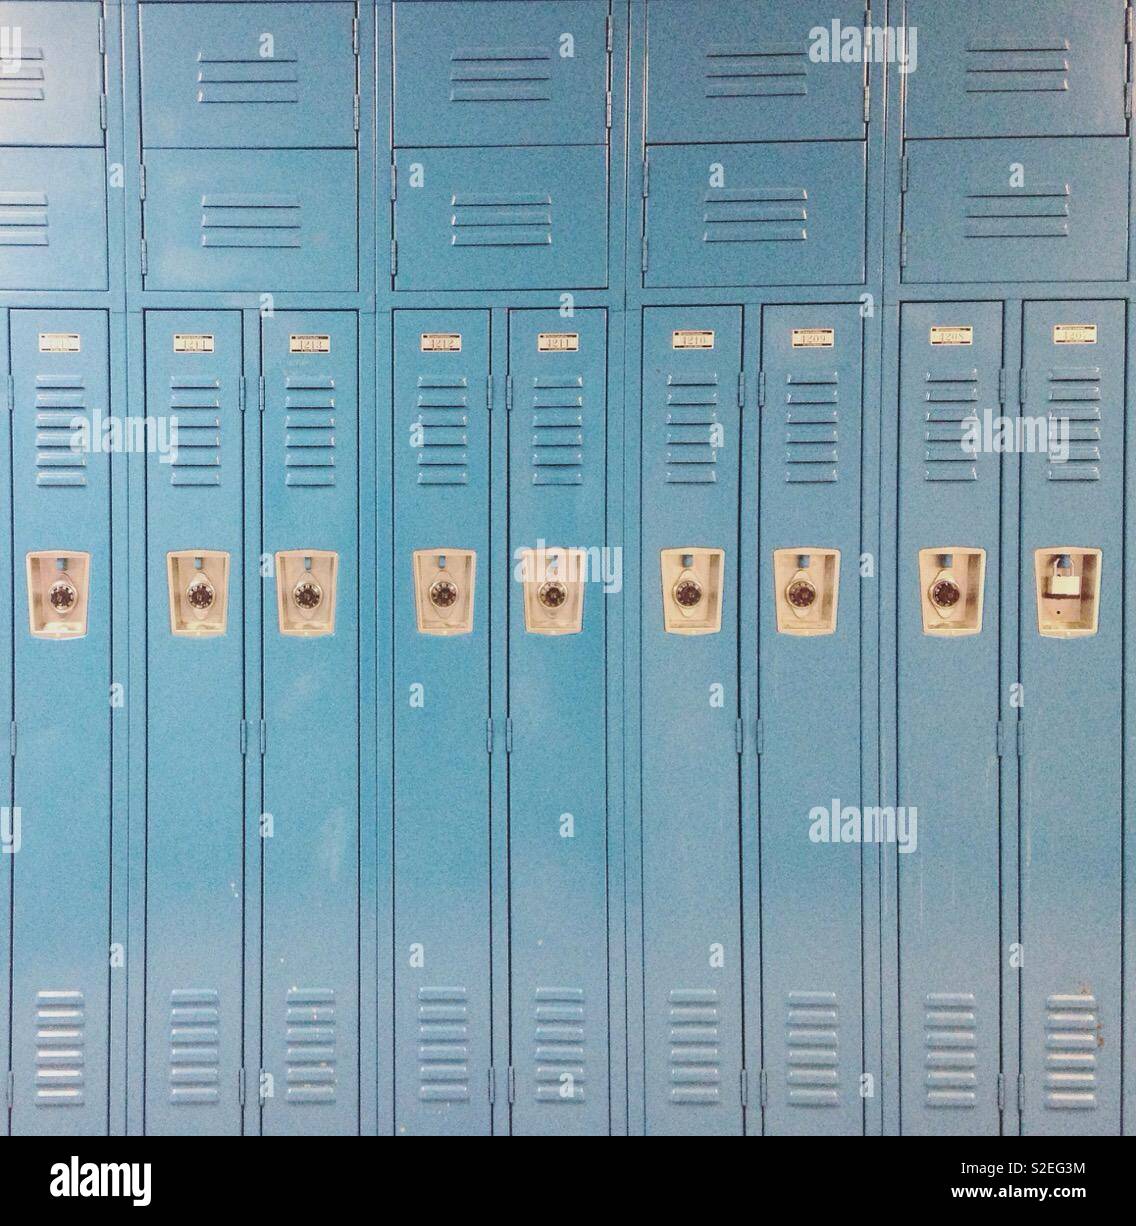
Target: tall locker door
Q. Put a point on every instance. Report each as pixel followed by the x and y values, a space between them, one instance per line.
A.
pixel 809 677
pixel 310 824
pixel 690 778
pixel 442 569
pixel 947 719
pixel 195 706
pixel 557 723
pixel 1071 662
pixel 62 619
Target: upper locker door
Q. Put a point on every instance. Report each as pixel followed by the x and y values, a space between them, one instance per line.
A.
pixel 809 675
pixel 62 785
pixel 442 577
pixel 1071 660
pixel 1017 68
pixel 558 725
pixel 690 816
pixel 195 707
pixel 948 640
pixel 310 823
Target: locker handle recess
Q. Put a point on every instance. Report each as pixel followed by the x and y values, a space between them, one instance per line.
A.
pixel 58 590
pixel 806 589
pixel 951 583
pixel 692 580
pixel 199 592
pixel 1068 591
pixel 444 590
pixel 305 591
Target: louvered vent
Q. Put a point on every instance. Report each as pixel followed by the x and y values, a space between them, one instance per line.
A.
pixel 951 1049
pixel 310 1033
pixel 195 1045
pixel 755 215
pixel 812 1049
pixel 443 1045
pixel 1074 414
pixel 952 400
pixel 559 1047
pixel 501 219
pixel 753 72
pixel 236 79
pixel 22 81
pixel 61 1036
pixel 1035 212
pixel 1072 1036
pixel 309 431
pixel 692 429
pixel 23 218
pixel 250 219
pixel 195 403
pixel 558 430
pixel 1002 66
pixel 443 424
pixel 501 74
pixel 696 1073
pixel 61 408
pixel 812 420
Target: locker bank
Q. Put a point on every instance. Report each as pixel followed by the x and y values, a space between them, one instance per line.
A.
pixel 567 567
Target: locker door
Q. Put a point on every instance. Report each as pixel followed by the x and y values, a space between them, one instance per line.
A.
pixel 441 786
pixel 310 967
pixel 1015 210
pixel 51 79
pixel 61 876
pixel 557 709
pixel 947 719
pixel 691 885
pixel 755 214
pixel 498 73
pixel 195 707
pixel 1017 68
pixel 501 218
pixel 1071 800
pixel 809 674
pixel 251 76
pixel 740 70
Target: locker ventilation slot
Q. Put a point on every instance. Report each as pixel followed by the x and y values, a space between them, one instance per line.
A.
pixel 502 219
pixel 195 402
pixel 239 219
pixel 951 1059
pixel 812 427
pixel 812 1050
pixel 952 405
pixel 61 1023
pixel 23 219
pixel 501 74
pixel 443 1045
pixel 1072 1036
pixel 311 1045
pixel 559 1050
pixel 1012 68
pixel 754 215
pixel 443 422
pixel 696 1073
pixel 692 429
pixel 309 431
pixel 1041 212
pixel 60 408
pixel 195 1044
pixel 744 72
pixel 243 79
pixel 23 81
pixel 1074 413
pixel 558 431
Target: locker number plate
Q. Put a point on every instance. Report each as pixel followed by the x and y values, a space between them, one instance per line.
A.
pixel 193 342
pixel 692 338
pixel 1074 334
pixel 557 342
pixel 59 342
pixel 813 338
pixel 308 342
pixel 943 334
pixel 440 342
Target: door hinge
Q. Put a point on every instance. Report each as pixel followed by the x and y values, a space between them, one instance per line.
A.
pixel 763 1087
pixel 903 249
pixel 241 393
pixel 10 1089
pixel 512 1084
pixel 644 259
pixel 355 112
pixel 10 393
pixel 744 1079
pixel 509 748
pixel 646 177
pixel 759 737
pixel 1001 1091
pixel 1023 385
pixel 141 180
pixel 1129 24
pixel 761 389
pixel 13 734
pixel 489 735
pixel 1021 1092
pixel 867 102
pixel 394 257
pixel 1021 738
pixel 263 738
pixel 241 1086
pixel 607 110
pixel 739 734
pixel 1002 386
pixel 903 164
pixel 508 393
pixel 142 250
pixel 394 181
pixel 999 739
pixel 260 394
pixel 102 36
pixel 355 35
pixel 1127 99
pixel 741 389
pixel 244 737
pixel 492 1080
pixel 103 111
pixel 610 33
pixel 489 393
pixel 262 1085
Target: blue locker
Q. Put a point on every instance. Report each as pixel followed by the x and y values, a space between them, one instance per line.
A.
pixel 53 229
pixel 771 214
pixel 442 946
pixel 1015 210
pixel 501 73
pixel 690 781
pixel 310 966
pixel 740 70
pixel 229 219
pixel 948 771
pixel 249 76
pixel 60 973
pixel 810 891
pixel 521 218
pixel 1073 364
pixel 1017 68
pixel 558 727
pixel 51 84
pixel 195 728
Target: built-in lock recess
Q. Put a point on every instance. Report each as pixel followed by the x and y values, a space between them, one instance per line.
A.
pixel 444 590
pixel 1068 582
pixel 553 580
pixel 951 583
pixel 806 589
pixel 58 585
pixel 692 577
pixel 305 591
pixel 199 592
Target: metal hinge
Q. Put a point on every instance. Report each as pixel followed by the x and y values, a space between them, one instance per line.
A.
pixel 1021 738
pixel 260 394
pixel 492 1080
pixel 610 33
pixel 1023 389
pixel 10 1089
pixel 141 180
pixel 763 1084
pixel 489 393
pixel 1129 24
pixel 903 164
pixel 761 389
pixel 744 1079
pixel 1127 100
pixel 512 1083
pixel 10 393
pixel 739 734
pixel 355 112
pixel 867 102
pixel 355 35
pixel 103 111
pixel 741 389
pixel 1001 1091
pixel 508 393
pixel 394 181
pixel 263 738
pixel 1002 386
pixel 394 256
pixel 644 260
pixel 489 735
pixel 646 177
pixel 261 1086
pixel 759 736
pixel 903 249
pixel 13 734
pixel 241 1087
pixel 241 393
pixel 102 36
pixel 607 110
pixel 244 737
pixel 1021 1092
pixel 145 263
pixel 509 749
